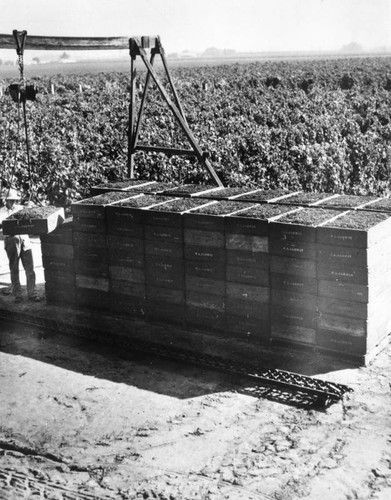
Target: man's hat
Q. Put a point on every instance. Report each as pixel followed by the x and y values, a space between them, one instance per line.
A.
pixel 12 194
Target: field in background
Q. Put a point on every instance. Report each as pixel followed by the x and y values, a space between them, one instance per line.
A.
pixel 123 65
pixel 317 125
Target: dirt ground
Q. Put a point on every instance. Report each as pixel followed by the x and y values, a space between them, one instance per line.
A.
pixel 80 421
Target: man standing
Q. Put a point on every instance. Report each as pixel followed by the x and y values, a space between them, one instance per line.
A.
pixel 18 248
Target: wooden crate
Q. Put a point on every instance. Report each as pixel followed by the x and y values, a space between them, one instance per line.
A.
pixel 57 264
pixel 164 272
pixel 164 249
pixel 361 229
pixel 198 222
pixel 299 301
pixel 304 199
pixel 127 185
pixel 123 219
pixel 293 335
pixel 294 283
pixel 248 328
pixel 125 244
pixel 208 254
pixel 349 345
pixel 126 258
pixel 124 227
pixel 59 279
pixel 207 269
pixel 248 308
pixel 206 239
pixel 126 287
pixel 124 213
pixel 347 201
pixel 57 250
pixel 294 234
pixel 265 196
pixel 254 219
pixel 248 293
pixel 161 294
pixel 246 258
pixel 293 249
pixel 155 218
pixel 129 274
pixel 380 205
pixel 34 221
pixel 92 282
pixel 190 190
pixel 239 274
pixel 293 316
pixel 95 207
pixel 247 243
pixel 290 266
pixel 91 254
pixel 89 240
pixel 164 234
pixel 203 300
pixel 170 213
pixel 205 285
pixel 211 216
pixel 227 193
pixel 93 268
pixel 346 257
pixel 89 225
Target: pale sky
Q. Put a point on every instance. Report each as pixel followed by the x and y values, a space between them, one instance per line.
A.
pixel 243 25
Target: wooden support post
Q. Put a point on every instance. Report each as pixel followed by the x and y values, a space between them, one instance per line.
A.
pixel 131 119
pixel 142 103
pixel 173 89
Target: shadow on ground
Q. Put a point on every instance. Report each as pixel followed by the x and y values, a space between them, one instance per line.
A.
pixel 148 372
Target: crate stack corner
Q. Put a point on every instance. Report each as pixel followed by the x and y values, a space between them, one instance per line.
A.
pixel 354 269
pixel 293 280
pixel 57 261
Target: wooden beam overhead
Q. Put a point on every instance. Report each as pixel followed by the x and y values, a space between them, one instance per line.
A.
pixel 71 43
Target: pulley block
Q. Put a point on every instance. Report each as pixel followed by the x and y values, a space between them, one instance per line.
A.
pixel 22 93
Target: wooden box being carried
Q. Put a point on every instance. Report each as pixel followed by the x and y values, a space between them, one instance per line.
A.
pixel 34 221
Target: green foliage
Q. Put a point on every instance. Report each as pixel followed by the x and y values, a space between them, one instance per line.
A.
pixel 326 126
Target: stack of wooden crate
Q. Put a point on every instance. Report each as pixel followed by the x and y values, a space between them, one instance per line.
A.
pixel 293 273
pixel 291 268
pixel 129 245
pixel 354 272
pixel 165 255
pixel 248 270
pixel 205 264
pixel 91 255
pixel 58 262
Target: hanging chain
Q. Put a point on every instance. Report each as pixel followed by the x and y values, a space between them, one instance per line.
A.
pixel 22 98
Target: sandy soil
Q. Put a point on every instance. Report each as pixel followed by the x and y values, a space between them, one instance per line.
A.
pixel 79 421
